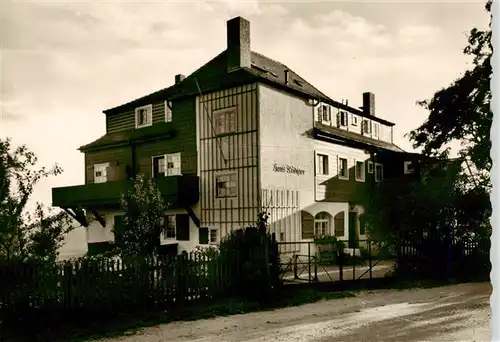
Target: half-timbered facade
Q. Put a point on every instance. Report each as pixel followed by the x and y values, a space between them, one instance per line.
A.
pixel 240 135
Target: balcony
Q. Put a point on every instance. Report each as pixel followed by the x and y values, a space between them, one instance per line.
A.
pixel 180 191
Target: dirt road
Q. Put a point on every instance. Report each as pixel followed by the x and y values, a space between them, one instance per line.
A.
pixel 451 313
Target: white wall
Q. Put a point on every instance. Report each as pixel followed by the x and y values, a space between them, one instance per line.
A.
pixel 75 242
pixel 194 236
pixel 285 121
pixel 98 233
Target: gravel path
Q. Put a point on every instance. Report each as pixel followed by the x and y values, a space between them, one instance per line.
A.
pixel 450 313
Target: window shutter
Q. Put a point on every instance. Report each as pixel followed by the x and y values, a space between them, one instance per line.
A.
pixel 203 236
pixel 320 114
pixel 89 174
pixel 182 227
pixel 168 112
pixel 118 228
pixel 307 225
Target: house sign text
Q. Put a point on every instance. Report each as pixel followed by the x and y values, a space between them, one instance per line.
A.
pixel 288 169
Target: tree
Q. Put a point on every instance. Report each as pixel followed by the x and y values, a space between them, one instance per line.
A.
pixel 461 112
pixel 24 235
pixel 400 209
pixel 144 209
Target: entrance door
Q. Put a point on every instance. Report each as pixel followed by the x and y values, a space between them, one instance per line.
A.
pixel 353 231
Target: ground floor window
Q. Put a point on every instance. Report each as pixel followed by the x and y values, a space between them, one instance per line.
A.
pixel 169 227
pixel 322 224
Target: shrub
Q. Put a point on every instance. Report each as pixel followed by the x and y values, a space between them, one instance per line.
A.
pixel 253 259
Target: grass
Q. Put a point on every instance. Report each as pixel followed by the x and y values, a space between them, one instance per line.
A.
pixel 121 325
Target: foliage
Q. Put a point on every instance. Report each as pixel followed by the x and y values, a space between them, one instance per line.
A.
pixel 254 253
pixel 331 241
pixel 451 198
pixel 461 112
pixel 437 204
pixel 144 209
pixel 26 235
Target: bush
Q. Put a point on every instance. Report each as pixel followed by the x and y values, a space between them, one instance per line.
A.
pixel 253 258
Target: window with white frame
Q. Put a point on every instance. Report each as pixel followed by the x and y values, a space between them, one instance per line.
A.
pixel 354 120
pixel 360 171
pixel 167 165
pixel 212 236
pixel 325 112
pixel 168 111
pixel 408 167
pixel 379 172
pixel 366 127
pixel 100 173
pixel 226 185
pixel 376 128
pixel 169 226
pixel 343 168
pixel 322 223
pixel 322 164
pixel 159 166
pixel 224 121
pixel 342 118
pixel 370 167
pixel 144 116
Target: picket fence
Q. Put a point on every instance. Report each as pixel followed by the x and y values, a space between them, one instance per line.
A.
pixel 114 285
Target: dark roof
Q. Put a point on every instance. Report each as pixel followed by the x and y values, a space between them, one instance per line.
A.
pixel 131 135
pixel 214 76
pixel 343 134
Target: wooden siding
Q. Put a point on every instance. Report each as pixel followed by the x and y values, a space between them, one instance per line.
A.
pixel 126 120
pixel 184 141
pixel 240 150
pixel 122 155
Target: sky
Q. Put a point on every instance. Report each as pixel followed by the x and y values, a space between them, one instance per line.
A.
pixel 63 63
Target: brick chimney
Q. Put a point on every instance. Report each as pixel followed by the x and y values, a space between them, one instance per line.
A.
pixel 369 103
pixel 179 78
pixel 238 44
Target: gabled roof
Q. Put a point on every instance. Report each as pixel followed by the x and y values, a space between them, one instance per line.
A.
pixel 128 136
pixel 214 76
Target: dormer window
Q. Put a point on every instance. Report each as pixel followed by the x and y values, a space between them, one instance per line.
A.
pixel 324 113
pixel 144 116
pixel 342 118
pixel 366 128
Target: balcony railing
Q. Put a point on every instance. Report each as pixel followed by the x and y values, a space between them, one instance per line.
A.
pixel 180 191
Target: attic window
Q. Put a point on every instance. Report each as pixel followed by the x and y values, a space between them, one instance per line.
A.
pixel 297 83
